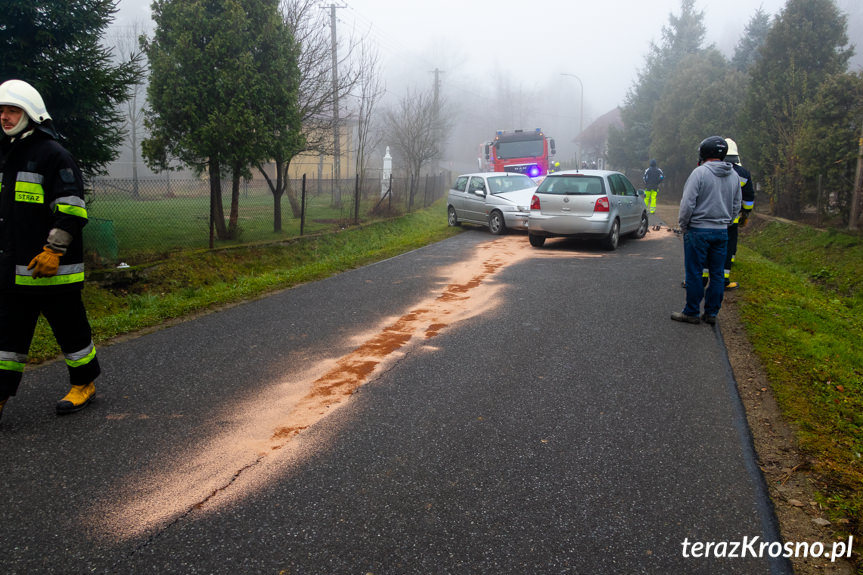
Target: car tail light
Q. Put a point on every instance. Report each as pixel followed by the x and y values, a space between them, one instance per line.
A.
pixel 602 205
pixel 534 202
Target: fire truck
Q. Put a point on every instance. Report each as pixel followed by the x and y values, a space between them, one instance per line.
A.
pixel 518 151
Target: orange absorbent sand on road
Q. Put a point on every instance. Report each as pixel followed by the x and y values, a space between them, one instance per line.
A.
pixel 266 435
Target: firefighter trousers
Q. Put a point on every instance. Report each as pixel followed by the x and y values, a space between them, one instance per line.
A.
pixel 67 317
pixel 650 200
pixel 732 250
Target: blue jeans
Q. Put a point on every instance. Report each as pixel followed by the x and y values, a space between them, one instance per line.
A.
pixel 704 249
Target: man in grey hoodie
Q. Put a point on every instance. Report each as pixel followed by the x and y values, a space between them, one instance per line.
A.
pixel 711 200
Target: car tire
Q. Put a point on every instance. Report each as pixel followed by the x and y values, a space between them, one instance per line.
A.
pixel 536 241
pixel 452 218
pixel 642 227
pixel 496 223
pixel 613 238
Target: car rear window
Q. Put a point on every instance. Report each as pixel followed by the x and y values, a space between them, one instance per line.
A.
pixel 460 184
pixel 572 186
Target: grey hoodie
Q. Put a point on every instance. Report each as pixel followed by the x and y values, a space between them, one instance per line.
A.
pixel 711 197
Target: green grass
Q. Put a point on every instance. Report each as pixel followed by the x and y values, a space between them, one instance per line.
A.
pixel 129 300
pixel 802 307
pixel 155 227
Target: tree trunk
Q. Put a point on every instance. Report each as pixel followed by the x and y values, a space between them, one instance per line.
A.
pixel 233 223
pixel 217 211
pixel 278 190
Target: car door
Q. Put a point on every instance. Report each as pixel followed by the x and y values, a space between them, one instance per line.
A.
pixel 636 203
pixel 457 195
pixel 624 203
pixel 474 202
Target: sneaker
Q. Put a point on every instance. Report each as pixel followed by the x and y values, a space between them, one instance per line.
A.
pixel 2 405
pixel 680 316
pixel 731 286
pixel 709 319
pixel 77 398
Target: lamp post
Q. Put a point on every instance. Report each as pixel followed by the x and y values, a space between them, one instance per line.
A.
pixel 580 117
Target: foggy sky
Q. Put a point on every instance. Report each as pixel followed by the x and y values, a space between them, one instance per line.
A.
pixel 477 44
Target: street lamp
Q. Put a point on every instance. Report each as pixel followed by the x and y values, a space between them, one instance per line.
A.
pixel 580 117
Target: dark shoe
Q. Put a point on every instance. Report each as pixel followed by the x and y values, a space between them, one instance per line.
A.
pixel 2 405
pixel 77 399
pixel 731 285
pixel 709 319
pixel 680 316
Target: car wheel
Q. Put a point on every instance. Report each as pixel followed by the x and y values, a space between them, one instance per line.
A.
pixel 496 223
pixel 536 241
pixel 642 227
pixel 452 219
pixel 611 240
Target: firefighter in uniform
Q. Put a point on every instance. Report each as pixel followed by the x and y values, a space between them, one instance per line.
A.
pixel 652 177
pixel 748 191
pixel 42 213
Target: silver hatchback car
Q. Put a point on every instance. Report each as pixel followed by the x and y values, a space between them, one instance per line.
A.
pixel 587 204
pixel 499 200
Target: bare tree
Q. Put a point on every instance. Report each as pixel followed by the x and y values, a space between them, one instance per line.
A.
pixel 417 129
pixel 127 46
pixel 311 30
pixel 369 91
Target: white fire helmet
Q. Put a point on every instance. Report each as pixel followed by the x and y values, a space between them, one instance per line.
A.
pixel 732 156
pixel 21 94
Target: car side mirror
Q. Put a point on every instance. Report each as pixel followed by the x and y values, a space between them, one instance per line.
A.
pixel 480 192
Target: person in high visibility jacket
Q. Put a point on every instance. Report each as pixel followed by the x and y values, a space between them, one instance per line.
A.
pixel 748 191
pixel 42 214
pixel 652 177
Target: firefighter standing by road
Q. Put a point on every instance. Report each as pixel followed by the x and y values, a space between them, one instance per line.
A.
pixel 653 176
pixel 748 191
pixel 42 213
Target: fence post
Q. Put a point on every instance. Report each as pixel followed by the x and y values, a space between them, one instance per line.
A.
pixel 858 185
pixel 303 206
pixel 357 200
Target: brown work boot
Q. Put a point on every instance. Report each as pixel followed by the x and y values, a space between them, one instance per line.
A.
pixel 77 398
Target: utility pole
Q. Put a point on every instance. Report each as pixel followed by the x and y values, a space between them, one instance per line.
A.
pixel 858 185
pixel 337 172
pixel 580 119
pixel 436 119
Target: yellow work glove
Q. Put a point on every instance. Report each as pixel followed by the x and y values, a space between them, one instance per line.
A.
pixel 45 264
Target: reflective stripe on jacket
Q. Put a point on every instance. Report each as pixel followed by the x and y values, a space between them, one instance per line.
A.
pixel 41 188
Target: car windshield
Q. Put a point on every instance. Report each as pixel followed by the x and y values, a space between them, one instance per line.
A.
pixel 523 149
pixel 503 184
pixel 572 186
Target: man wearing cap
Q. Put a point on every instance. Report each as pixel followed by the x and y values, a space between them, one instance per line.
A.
pixel 42 213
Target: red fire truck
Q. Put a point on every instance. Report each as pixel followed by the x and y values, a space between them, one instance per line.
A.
pixel 518 151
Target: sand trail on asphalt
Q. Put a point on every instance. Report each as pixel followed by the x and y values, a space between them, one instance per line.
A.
pixel 267 435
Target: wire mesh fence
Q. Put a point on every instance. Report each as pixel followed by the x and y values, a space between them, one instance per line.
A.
pixel 136 221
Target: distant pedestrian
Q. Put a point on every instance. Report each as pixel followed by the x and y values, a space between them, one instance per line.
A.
pixel 653 176
pixel 748 192
pixel 711 200
pixel 42 213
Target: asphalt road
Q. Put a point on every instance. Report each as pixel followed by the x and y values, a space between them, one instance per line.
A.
pixel 476 406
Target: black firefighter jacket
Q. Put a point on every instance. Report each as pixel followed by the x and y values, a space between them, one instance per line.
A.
pixel 41 188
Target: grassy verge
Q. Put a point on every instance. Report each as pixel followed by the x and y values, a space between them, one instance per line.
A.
pixel 802 307
pixel 194 281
